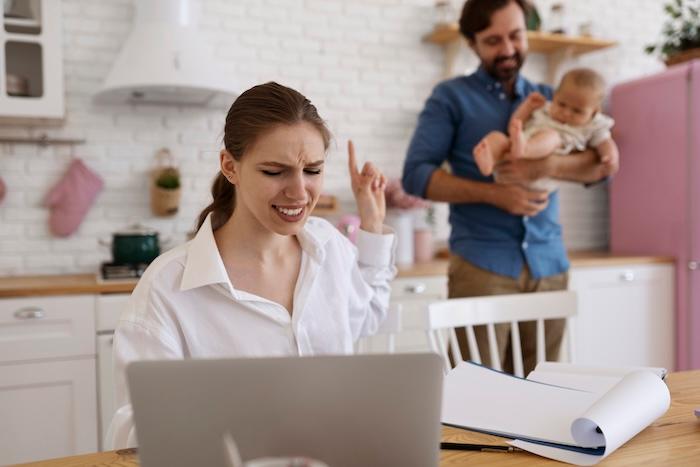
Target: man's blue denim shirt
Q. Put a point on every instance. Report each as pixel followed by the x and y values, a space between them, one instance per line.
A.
pixel 457 115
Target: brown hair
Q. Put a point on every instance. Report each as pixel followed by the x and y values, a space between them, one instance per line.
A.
pixel 476 14
pixel 584 77
pixel 252 114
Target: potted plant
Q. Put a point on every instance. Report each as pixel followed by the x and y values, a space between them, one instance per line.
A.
pixel 165 186
pixel 680 34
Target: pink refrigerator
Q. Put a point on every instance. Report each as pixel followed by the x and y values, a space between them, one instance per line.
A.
pixel 655 197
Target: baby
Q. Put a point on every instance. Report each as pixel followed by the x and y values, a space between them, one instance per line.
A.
pixel 571 122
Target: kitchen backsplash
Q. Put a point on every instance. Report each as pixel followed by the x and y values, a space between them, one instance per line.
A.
pixel 361 62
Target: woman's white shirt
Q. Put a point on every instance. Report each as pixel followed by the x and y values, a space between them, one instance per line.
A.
pixel 185 306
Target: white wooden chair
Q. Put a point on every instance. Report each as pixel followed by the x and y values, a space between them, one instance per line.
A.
pixel 444 316
pixel 388 330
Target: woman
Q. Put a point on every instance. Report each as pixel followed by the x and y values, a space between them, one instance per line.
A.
pixel 261 278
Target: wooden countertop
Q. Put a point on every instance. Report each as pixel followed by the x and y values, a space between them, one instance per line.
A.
pixel 32 286
pixel 577 258
pixel 670 440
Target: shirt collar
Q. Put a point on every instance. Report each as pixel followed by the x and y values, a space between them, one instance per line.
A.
pixel 204 265
pixel 493 85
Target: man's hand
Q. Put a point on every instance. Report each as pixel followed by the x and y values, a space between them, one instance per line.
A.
pixel 523 171
pixel 517 200
pixel 368 187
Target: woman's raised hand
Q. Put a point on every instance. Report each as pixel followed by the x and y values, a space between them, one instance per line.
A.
pixel 368 187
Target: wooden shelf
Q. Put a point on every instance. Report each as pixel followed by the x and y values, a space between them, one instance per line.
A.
pixel 22 25
pixel 557 46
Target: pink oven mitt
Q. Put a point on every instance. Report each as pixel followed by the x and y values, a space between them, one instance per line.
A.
pixel 70 199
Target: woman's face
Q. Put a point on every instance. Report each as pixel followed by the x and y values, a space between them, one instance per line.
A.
pixel 279 179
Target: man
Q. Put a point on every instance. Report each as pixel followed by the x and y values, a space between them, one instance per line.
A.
pixel 505 238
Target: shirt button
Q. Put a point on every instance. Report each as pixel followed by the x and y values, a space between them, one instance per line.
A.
pixel 524 245
pixel 498 85
pixel 525 218
pixel 502 96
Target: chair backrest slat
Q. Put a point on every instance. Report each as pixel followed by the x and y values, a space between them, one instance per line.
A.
pixel 517 350
pixel 454 346
pixel 490 310
pixel 473 347
pixel 493 347
pixel 541 346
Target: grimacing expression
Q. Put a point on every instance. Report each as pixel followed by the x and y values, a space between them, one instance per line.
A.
pixel 574 105
pixel 279 179
pixel 502 47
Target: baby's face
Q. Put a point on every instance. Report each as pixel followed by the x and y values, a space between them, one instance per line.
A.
pixel 574 105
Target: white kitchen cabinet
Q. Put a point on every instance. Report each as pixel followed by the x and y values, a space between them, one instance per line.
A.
pixel 414 294
pixel 48 396
pixel 625 316
pixel 49 409
pixel 31 61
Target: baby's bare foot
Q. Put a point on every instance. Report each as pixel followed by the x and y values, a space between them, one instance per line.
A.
pixel 517 139
pixel 484 157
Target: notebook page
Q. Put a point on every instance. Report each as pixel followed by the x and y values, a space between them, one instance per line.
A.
pixel 629 407
pixel 482 399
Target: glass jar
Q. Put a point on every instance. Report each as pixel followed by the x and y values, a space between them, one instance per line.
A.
pixel 556 19
pixel 444 13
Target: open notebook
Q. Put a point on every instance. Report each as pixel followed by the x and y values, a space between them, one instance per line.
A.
pixel 550 417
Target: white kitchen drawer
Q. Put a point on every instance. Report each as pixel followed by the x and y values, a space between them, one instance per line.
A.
pixel 617 275
pixel 109 308
pixel 427 287
pixel 46 327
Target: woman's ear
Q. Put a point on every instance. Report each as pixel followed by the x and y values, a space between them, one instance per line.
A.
pixel 228 166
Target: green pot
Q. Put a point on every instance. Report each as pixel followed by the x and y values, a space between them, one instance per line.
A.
pixel 135 246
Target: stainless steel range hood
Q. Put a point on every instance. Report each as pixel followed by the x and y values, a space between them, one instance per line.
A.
pixel 164 60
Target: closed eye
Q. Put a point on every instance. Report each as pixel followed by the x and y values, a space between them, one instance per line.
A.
pixel 313 171
pixel 271 173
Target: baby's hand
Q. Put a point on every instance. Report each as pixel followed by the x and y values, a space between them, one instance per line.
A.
pixel 536 100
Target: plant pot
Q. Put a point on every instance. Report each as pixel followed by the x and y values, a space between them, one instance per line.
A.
pixel 165 201
pixel 684 56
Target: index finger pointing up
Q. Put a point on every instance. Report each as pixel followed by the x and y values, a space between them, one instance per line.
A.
pixel 352 163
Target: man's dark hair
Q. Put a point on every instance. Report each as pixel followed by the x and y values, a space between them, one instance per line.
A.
pixel 476 14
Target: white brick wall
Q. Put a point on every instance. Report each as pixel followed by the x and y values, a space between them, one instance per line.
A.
pixel 360 61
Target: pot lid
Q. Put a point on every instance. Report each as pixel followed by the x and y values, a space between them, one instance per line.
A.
pixel 136 229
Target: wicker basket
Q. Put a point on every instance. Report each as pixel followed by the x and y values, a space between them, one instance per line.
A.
pixel 165 201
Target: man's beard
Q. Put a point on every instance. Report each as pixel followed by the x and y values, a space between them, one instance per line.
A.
pixel 505 73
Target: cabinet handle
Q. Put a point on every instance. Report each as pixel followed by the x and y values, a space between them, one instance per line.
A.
pixel 415 288
pixel 692 265
pixel 30 312
pixel 627 276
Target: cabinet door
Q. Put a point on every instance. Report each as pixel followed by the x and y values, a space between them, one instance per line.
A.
pixel 31 61
pixel 48 410
pixel 414 294
pixel 625 315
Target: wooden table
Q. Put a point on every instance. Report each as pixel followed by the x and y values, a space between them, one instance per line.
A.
pixel 673 440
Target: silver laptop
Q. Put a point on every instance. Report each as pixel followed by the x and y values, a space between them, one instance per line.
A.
pixel 368 410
